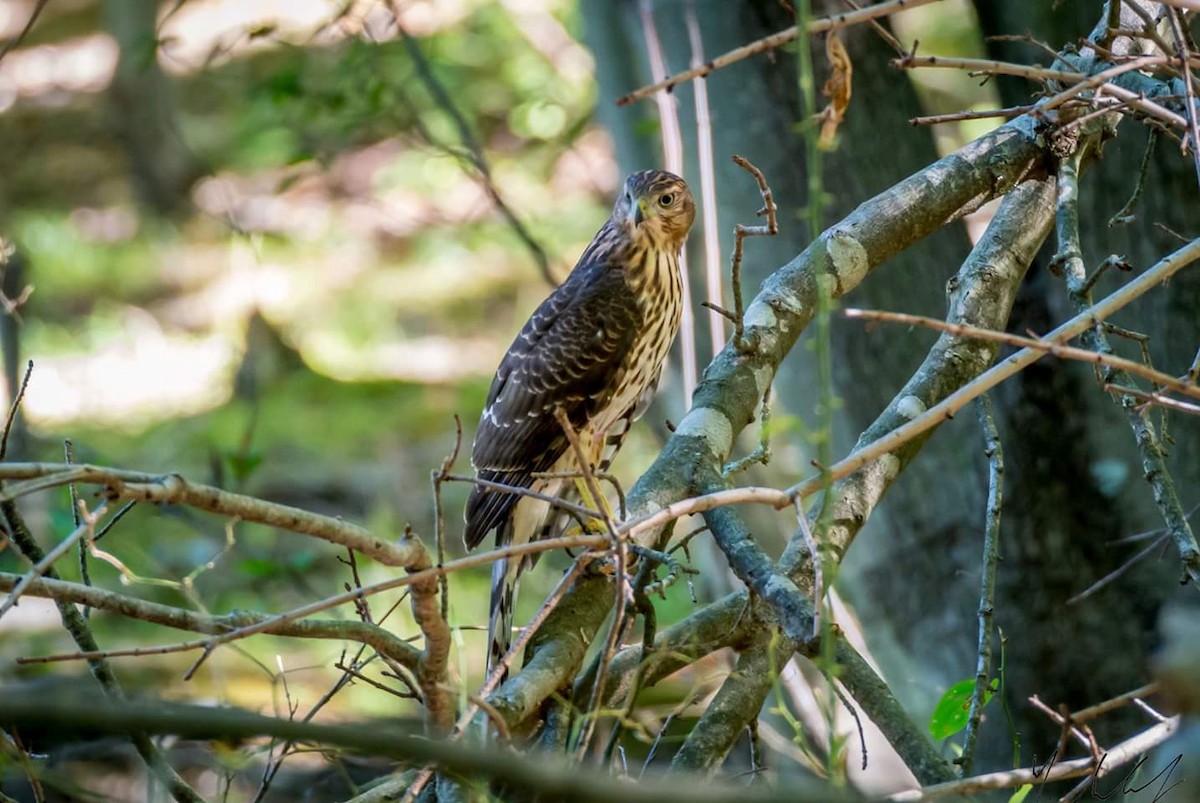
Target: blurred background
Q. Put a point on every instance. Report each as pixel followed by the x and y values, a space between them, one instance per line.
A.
pixel 277 246
pixel 258 254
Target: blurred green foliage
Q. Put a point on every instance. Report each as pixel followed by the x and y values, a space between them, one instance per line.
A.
pixel 336 207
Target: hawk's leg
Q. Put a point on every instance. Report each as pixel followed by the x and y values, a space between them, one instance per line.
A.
pixel 592 525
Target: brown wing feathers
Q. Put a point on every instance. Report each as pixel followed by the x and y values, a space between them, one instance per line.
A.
pixel 565 356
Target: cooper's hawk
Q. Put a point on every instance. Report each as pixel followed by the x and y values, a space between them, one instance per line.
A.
pixel 594 349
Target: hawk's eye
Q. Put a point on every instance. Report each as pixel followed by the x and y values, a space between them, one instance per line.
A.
pixel 666 199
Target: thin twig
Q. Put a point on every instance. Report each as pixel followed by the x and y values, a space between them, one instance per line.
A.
pixel 82 545
pixel 1183 5
pixel 1125 213
pixel 1115 573
pixel 1153 399
pixel 474 155
pixel 987 67
pixel 740 232
pixel 1162 270
pixel 994 450
pixel 1093 711
pixel 603 476
pixel 1147 107
pixel 584 513
pixel 357 675
pixel 175 489
pixel 1064 722
pixel 1154 467
pixel 42 567
pixel 437 477
pixel 1006 114
pixel 622 564
pixel 879 29
pixel 492 714
pixel 1111 261
pixel 1028 38
pixel 14 408
pixel 1114 758
pixel 20 37
pixel 771 42
pixel 1045 344
pixel 384 642
pixel 1178 32
pixel 1099 79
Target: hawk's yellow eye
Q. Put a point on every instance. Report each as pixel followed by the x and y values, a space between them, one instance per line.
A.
pixel 666 200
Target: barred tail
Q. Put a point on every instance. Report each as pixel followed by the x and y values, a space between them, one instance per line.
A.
pixel 503 605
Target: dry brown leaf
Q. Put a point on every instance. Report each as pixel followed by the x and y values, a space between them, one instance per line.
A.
pixel 837 88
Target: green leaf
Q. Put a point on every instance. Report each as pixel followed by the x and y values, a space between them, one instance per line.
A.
pixel 1020 795
pixel 259 567
pixel 242 464
pixel 950 714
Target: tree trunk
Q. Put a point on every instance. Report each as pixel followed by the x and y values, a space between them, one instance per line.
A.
pixel 144 112
pixel 1072 473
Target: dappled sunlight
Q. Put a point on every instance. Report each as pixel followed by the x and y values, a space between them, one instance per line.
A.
pixel 382 260
pixel 52 73
pixel 139 377
pixel 202 33
pixel 338 286
pixel 432 359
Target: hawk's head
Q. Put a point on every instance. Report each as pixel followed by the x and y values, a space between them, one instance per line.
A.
pixel 657 205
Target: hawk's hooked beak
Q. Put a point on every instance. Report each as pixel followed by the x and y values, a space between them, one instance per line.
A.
pixel 637 214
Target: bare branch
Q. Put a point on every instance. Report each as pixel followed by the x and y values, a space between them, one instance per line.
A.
pixel 1158 273
pixel 1007 114
pixel 1154 466
pixel 1179 33
pixel 20 37
pixel 15 407
pixel 475 156
pixel 1114 758
pixel 81 633
pixel 384 642
pixel 993 448
pixel 173 489
pixel 1052 347
pixel 987 67
pixel 85 528
pixel 771 42
pixel 564 781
